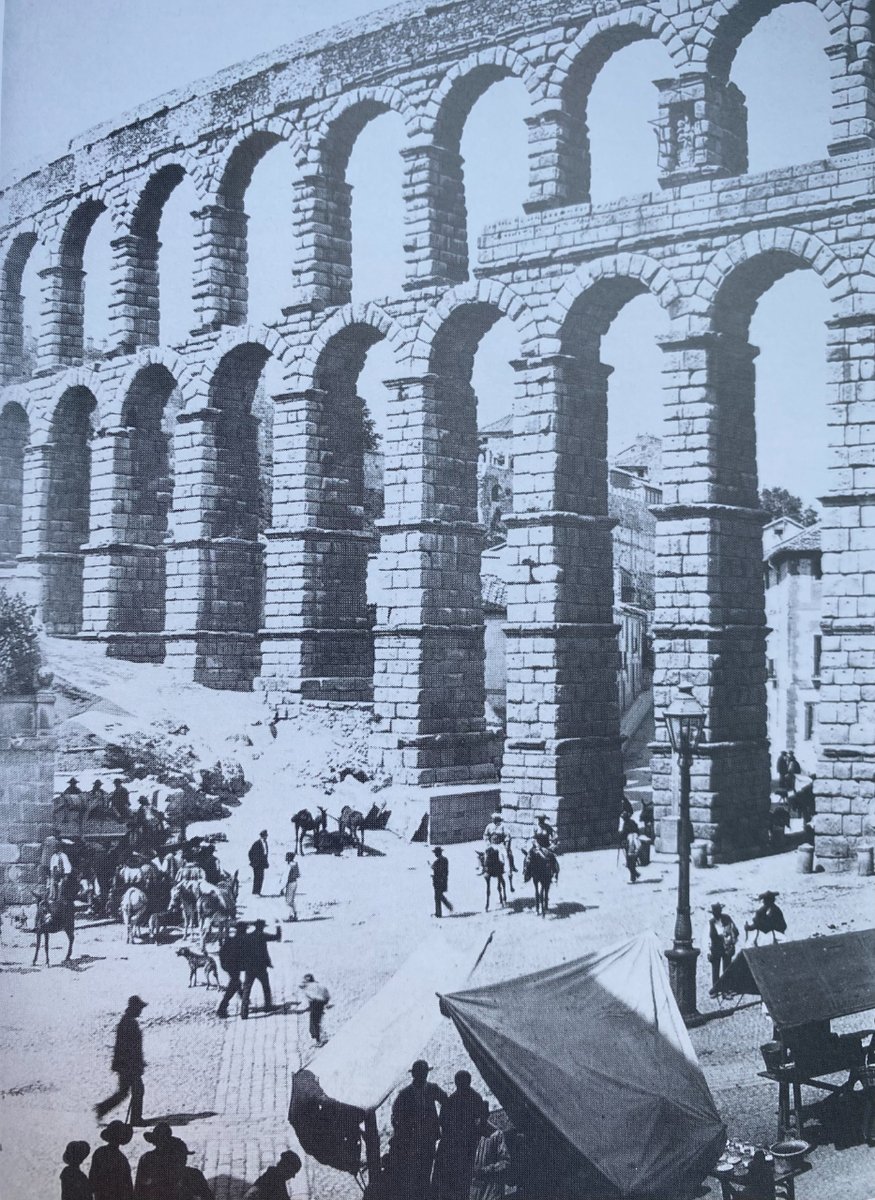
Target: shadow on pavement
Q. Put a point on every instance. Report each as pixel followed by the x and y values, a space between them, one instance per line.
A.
pixel 82 962
pixel 228 1187
pixel 179 1118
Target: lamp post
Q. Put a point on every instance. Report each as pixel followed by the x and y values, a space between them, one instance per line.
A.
pixel 685 720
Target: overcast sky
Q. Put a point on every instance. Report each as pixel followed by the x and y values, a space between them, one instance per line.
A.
pixel 70 64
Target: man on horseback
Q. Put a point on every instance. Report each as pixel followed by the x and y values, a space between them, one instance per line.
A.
pixel 545 841
pixel 497 836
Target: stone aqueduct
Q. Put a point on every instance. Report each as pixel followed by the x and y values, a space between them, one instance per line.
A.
pixel 113 548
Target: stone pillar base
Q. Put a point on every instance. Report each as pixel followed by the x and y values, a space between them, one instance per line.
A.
pixel 332 665
pixel 460 814
pixel 225 660
pixel 432 759
pixel 133 647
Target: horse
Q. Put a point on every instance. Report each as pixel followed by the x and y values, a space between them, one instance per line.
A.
pixel 216 909
pixel 351 824
pixel 305 822
pixel 134 909
pixel 492 867
pixel 184 896
pixel 541 868
pixel 53 916
pixel 143 876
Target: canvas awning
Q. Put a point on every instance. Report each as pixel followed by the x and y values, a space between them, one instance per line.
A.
pixel 369 1057
pixel 592 1061
pixel 814 979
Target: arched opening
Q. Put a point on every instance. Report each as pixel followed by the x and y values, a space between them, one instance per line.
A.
pixel 17 359
pixel 374 174
pixel 269 233
pixel 253 223
pixel 486 106
pixel 148 416
pixel 778 61
pixel 67 511
pixel 164 250
pixel 237 507
pixel 95 257
pixel 495 185
pixel 780 433
pixel 32 306
pixel 14 436
pixel 611 88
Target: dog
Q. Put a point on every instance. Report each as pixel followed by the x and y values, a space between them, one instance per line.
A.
pixel 195 963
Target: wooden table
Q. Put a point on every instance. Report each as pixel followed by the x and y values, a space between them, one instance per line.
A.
pixel 785 1181
pixel 790 1107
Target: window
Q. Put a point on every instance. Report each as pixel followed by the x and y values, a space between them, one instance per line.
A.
pixel 818 647
pixel 809 722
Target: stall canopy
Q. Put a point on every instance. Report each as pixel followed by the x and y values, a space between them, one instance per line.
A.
pixel 592 1058
pixel 815 979
pixel 369 1057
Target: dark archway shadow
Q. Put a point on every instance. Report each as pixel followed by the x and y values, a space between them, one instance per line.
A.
pixel 228 1187
pixel 180 1118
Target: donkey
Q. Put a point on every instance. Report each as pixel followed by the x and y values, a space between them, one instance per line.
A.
pixel 53 916
pixel 304 822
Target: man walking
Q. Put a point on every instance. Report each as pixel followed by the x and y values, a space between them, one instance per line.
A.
pixel 258 860
pixel 317 998
pixel 722 939
pixel 256 963
pixel 271 1185
pixel 440 878
pixel 416 1129
pixel 231 962
pixel 128 1064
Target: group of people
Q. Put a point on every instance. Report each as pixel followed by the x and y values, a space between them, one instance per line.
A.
pixel 259 861
pixel 723 933
pixel 443 1147
pixel 163 1172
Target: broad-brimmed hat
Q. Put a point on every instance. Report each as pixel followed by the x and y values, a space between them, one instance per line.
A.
pixel 76 1153
pixel 420 1067
pixel 307 979
pixel 117 1133
pixel 716 909
pixel 136 1002
pixel 767 896
pixel 260 923
pixel 496 816
pixel 161 1135
pixel 438 850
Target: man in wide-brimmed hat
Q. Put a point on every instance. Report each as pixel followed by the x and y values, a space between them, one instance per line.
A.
pixel 723 938
pixel 128 1064
pixel 159 1169
pixel 416 1129
pixel 110 1174
pixel 256 964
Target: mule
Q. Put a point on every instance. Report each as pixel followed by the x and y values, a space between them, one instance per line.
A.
pixel 134 909
pixel 351 824
pixel 304 822
pixel 541 868
pixel 53 916
pixel 492 867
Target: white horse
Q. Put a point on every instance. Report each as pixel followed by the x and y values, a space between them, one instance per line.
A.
pixel 133 908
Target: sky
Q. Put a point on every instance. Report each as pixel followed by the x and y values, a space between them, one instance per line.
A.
pixel 70 64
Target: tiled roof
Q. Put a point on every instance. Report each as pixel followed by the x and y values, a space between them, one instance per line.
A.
pixel 806 541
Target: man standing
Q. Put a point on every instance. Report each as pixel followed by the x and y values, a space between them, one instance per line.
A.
pixel 231 962
pixel 416 1129
pixel 258 860
pixel 461 1116
pixel 256 963
pixel 291 884
pixel 271 1185
pixel 722 940
pixel 440 878
pixel 633 847
pixel 119 798
pixel 317 998
pixel 128 1064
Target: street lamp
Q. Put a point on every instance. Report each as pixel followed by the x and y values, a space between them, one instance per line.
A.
pixel 685 720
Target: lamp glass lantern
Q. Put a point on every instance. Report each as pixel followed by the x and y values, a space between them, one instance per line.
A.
pixel 685 720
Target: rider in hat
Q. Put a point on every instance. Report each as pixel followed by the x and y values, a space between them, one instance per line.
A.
pixel 110 1174
pixel 768 918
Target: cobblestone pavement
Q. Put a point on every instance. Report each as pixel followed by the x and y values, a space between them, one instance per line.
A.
pixel 225 1084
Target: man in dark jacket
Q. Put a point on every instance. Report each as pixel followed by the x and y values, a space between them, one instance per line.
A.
pixel 440 878
pixel 256 963
pixel 110 1174
pixel 128 1064
pixel 271 1185
pixel 461 1115
pixel 258 860
pixel 416 1129
pixel 231 962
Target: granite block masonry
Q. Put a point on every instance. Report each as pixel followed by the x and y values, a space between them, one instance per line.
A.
pixel 144 505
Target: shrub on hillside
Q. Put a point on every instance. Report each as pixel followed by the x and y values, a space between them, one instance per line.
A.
pixel 19 648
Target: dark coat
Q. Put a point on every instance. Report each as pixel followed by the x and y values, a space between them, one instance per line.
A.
pixel 75 1185
pixel 110 1174
pixel 440 874
pixel 270 1186
pixel 257 854
pixel 414 1114
pixel 255 953
pixel 127 1056
pixel 231 955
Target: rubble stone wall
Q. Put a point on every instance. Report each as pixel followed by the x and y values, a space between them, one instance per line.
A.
pixel 283 605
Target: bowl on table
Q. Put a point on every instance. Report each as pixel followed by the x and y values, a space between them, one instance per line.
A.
pixel 791 1151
